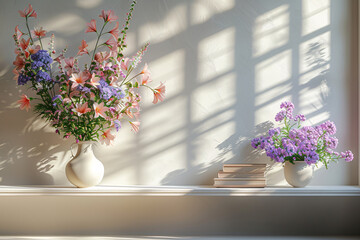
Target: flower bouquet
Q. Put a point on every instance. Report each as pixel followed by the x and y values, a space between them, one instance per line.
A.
pixel 292 142
pixel 300 148
pixel 87 103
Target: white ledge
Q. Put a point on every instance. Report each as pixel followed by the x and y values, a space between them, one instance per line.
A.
pixel 139 190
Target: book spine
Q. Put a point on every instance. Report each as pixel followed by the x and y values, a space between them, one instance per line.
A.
pixel 222 174
pixel 245 170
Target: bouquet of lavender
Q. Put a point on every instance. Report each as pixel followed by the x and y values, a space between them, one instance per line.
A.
pixel 87 103
pixel 295 143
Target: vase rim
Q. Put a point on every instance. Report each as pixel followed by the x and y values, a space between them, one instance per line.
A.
pixel 86 142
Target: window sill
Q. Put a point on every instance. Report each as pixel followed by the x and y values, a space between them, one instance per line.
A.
pixel 140 190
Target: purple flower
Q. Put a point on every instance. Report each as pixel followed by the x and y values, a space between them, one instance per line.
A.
pixel 289 106
pixel 23 79
pixel 274 131
pixel 348 155
pixel 107 91
pixel 117 125
pixel 42 76
pixel 300 144
pixel 300 117
pixel 329 127
pixel 58 98
pixel 280 116
pixel 255 142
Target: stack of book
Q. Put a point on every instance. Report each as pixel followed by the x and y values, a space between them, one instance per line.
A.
pixel 242 175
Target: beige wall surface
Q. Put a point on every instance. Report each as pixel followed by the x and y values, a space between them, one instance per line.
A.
pixel 227 66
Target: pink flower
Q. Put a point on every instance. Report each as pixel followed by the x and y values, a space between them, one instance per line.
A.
pixel 115 31
pixel 112 44
pixel 19 62
pixel 101 56
pixel 74 93
pixel 78 79
pixel 24 103
pixel 81 109
pixel 82 48
pixel 18 32
pixel 135 126
pixel 28 12
pixel 107 137
pixel 24 44
pixel 145 75
pixel 33 50
pixel 16 74
pixel 69 65
pixel 94 81
pixel 100 110
pixel 108 16
pixel 91 26
pixel 38 32
pixel 159 93
pixel 125 64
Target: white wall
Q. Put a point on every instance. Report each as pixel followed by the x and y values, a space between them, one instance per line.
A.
pixel 227 66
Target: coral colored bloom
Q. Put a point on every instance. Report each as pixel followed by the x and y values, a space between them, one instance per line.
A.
pixel 28 12
pixel 33 50
pixel 78 79
pixel 69 65
pixel 125 64
pixel 38 32
pixel 19 62
pixel 100 110
pixel 108 16
pixel 159 93
pixel 81 109
pixel 24 44
pixel 94 81
pixel 24 103
pixel 135 126
pixel 101 56
pixel 112 44
pixel 91 26
pixel 115 31
pixel 16 74
pixel 107 137
pixel 82 48
pixel 18 32
pixel 145 75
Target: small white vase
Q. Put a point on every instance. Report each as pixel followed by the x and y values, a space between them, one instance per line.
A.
pixel 84 169
pixel 298 174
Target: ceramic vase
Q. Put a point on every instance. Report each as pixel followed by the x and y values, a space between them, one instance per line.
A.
pixel 298 174
pixel 84 169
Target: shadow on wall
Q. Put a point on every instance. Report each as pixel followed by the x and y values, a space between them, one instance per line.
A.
pixel 227 66
pixel 28 149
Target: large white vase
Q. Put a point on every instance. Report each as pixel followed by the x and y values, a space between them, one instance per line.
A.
pixel 298 174
pixel 84 169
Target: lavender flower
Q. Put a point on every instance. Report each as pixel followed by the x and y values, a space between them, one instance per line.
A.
pixel 107 91
pixel 309 144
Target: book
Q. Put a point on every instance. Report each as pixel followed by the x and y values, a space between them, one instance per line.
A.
pixel 245 168
pixel 239 182
pixel 222 174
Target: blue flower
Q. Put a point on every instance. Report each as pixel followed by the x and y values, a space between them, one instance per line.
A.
pixel 107 91
pixel 23 79
pixel 42 76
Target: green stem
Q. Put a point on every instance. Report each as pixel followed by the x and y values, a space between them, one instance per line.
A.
pixel 148 87
pixel 97 41
pixel 41 43
pixel 129 79
pixel 27 26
